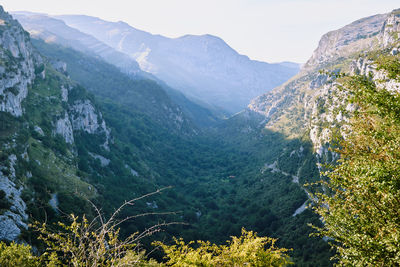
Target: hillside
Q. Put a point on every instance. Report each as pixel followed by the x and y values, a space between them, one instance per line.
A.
pixel 124 139
pixel 74 127
pixel 52 30
pixel 202 67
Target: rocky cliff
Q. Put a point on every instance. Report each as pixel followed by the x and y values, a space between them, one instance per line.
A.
pixel 307 103
pixel 38 105
pixel 17 66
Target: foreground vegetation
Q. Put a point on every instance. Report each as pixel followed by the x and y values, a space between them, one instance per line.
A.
pixel 360 206
pixel 89 244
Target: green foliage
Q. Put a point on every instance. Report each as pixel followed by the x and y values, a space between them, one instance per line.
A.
pixel 94 243
pixel 17 255
pixel 360 207
pixel 217 176
pixel 246 250
pixel 85 244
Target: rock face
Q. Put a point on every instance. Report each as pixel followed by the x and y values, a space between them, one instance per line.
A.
pixel 13 220
pixel 17 67
pixel 32 83
pixel 347 40
pixel 64 127
pixel 17 71
pixel 85 117
pixel 202 67
pixel 308 102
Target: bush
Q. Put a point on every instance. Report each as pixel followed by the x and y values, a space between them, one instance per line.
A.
pixel 17 255
pixel 246 250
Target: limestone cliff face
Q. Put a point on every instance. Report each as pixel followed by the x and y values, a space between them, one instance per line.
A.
pixel 17 72
pixel 39 89
pixel 13 220
pixel 308 102
pixel 64 128
pixel 85 117
pixel 17 64
pixel 346 41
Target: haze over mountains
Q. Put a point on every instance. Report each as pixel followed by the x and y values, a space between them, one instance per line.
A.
pixel 80 119
pixel 202 67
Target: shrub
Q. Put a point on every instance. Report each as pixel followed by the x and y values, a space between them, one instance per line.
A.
pixel 246 250
pixel 17 255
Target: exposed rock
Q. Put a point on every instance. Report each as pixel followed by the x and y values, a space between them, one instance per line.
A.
pixel 103 161
pixel 38 130
pixel 64 128
pixel 85 117
pixel 59 66
pixel 19 71
pixel 8 228
pixel 391 29
pixel 152 205
pixel 53 202
pixel 300 209
pixel 350 39
pixel 64 93
pixel 133 172
pixel 12 221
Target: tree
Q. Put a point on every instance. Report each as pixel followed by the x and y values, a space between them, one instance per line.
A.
pixel 360 205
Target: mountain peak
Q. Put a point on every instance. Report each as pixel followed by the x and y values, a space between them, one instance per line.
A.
pixel 347 40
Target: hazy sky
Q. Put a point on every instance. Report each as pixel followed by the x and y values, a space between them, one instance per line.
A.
pixel 267 30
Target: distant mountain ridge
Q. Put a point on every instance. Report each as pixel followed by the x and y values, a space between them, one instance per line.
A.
pixel 202 67
pixel 56 31
pixel 52 30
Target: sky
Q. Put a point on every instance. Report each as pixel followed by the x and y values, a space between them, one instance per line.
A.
pixel 265 30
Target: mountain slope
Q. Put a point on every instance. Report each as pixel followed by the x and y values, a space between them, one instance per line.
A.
pixel 56 31
pixel 306 108
pixel 308 99
pixel 42 112
pixel 118 144
pixel 53 30
pixel 203 67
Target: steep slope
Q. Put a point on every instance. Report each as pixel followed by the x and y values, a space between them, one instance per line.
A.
pixel 56 31
pixel 108 82
pixel 61 144
pixel 41 114
pixel 307 101
pixel 305 109
pixel 203 67
pixel 57 150
pixel 53 30
pixel 119 143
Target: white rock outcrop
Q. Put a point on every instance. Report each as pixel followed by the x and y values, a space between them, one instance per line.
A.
pixel 12 221
pixel 64 128
pixel 18 71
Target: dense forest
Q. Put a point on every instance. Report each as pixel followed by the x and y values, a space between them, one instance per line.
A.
pixel 362 185
pixel 100 167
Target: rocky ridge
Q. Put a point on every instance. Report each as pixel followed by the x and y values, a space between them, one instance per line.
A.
pixel 202 67
pixel 28 81
pixel 307 102
pixel 17 65
pixel 53 30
